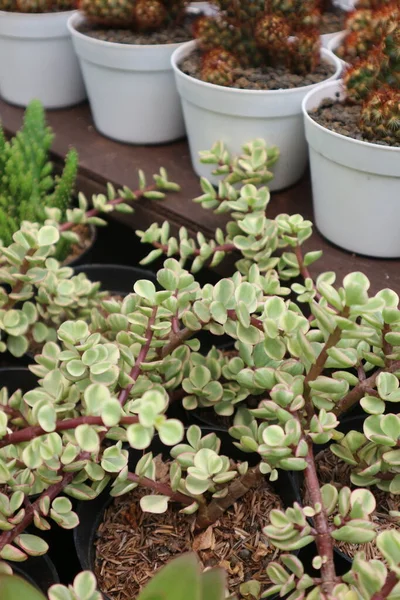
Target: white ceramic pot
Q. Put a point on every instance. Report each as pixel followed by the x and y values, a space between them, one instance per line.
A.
pixel 204 7
pixel 327 37
pixel 131 88
pixel 37 60
pixel 237 116
pixel 356 185
pixel 335 42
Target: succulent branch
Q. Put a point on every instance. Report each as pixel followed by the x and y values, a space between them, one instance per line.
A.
pixel 107 378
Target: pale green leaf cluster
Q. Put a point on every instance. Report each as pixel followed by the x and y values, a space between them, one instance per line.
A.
pixel 258 239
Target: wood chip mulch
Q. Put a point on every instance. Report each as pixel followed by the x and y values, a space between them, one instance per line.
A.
pixel 132 545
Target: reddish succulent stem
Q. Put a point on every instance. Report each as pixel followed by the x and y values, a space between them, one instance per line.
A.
pixel 52 492
pixel 29 433
pixel 161 488
pixel 124 394
pixel 389 585
pixel 323 538
pixel 196 251
pixel 93 212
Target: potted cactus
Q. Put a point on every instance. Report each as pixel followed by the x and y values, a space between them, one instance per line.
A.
pixel 246 75
pixel 354 141
pixel 37 58
pixel 99 423
pixel 127 47
pixel 363 29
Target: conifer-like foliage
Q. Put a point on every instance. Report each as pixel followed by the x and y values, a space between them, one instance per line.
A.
pixel 27 182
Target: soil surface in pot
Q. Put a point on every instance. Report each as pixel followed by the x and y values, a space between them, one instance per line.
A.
pixel 332 469
pixel 172 35
pixel 333 22
pixel 343 118
pixel 132 545
pixel 85 241
pixel 262 78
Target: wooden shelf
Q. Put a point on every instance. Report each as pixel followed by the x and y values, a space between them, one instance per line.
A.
pixel 103 160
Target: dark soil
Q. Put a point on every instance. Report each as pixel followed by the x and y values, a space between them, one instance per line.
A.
pixel 333 22
pixel 343 118
pixel 208 416
pixel 332 469
pixel 182 33
pixel 85 241
pixel 132 545
pixel 265 78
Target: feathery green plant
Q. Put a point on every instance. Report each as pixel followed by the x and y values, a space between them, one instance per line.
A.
pixel 27 183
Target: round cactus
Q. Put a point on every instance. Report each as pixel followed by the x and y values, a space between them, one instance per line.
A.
pixel 380 116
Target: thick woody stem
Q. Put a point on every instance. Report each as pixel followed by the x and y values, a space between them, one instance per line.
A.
pixel 30 433
pixel 389 585
pixel 360 390
pixel 319 365
pixel 209 514
pixel 161 488
pixel 323 538
pixel 124 394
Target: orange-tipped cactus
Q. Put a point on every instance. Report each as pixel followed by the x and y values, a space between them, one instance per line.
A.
pixel 37 6
pixel 218 66
pixel 138 15
pixel 362 77
pixel 380 116
pixel 305 51
pixel 374 80
pixel 259 32
pixel 366 26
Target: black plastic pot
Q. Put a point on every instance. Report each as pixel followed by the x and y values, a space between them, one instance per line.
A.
pixel 17 378
pixel 87 254
pixel 118 279
pixel 39 571
pixel 91 513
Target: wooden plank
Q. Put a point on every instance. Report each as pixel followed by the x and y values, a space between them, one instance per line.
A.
pixel 102 160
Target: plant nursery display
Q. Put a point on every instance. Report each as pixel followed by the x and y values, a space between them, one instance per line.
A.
pixel 246 75
pixel 101 426
pixel 34 33
pixel 128 46
pixel 353 130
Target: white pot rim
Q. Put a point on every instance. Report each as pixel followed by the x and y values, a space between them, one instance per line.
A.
pixel 328 85
pixel 78 18
pixel 35 16
pixel 187 47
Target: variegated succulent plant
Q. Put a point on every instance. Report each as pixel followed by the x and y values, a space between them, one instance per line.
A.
pixel 308 353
